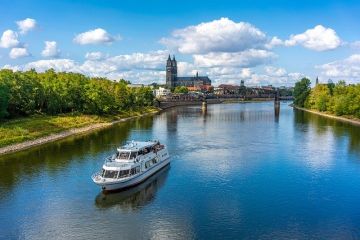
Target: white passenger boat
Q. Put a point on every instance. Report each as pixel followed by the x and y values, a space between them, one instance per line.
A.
pixel 131 165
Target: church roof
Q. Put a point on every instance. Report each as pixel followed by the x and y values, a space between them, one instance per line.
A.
pixel 192 78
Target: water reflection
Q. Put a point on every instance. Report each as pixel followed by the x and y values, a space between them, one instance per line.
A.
pixel 136 197
pixel 322 125
pixel 57 157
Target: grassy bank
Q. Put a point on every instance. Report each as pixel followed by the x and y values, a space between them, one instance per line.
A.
pixel 37 126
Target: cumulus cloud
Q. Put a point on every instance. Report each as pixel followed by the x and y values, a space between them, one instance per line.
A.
pixel 26 25
pixel 136 67
pixel 222 35
pixel 248 58
pixel 50 50
pixel 347 69
pixel 60 65
pixel 9 39
pixel 18 53
pixel 95 36
pixel 275 41
pixel 318 38
pixel 276 72
pixel 95 55
pixel 150 67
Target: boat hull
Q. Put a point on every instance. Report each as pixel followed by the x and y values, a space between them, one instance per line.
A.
pixel 135 180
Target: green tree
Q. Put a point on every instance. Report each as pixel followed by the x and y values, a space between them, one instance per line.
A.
pixel 301 92
pixel 181 89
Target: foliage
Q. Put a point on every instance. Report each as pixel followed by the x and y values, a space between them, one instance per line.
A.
pixel 301 92
pixel 339 99
pixel 26 93
pixel 181 89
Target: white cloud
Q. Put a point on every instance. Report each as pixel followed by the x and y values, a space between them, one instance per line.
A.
pixel 136 67
pixel 355 44
pixel 248 58
pixel 26 25
pixel 149 67
pixel 96 36
pixel 50 50
pixel 275 41
pixel 222 35
pixel 318 38
pixel 9 39
pixel 276 72
pixel 347 69
pixel 18 53
pixel 95 55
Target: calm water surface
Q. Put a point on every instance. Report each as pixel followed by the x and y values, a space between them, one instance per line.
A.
pixel 237 172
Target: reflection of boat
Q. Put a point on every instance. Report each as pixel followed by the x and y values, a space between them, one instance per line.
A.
pixel 134 197
pixel 132 164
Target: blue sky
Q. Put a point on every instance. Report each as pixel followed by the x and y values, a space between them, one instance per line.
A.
pixel 262 42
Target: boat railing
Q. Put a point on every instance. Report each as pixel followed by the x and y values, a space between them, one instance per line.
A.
pixel 96 176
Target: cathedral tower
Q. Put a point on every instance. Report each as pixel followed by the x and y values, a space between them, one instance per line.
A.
pixel 171 72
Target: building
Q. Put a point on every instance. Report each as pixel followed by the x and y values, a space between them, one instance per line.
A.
pixel 161 92
pixel 172 80
pixel 227 89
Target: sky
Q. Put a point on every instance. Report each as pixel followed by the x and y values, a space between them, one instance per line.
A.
pixel 260 41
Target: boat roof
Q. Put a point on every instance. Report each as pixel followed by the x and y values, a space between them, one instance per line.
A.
pixel 136 145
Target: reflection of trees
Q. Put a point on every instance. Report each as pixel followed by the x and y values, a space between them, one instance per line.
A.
pixel 322 124
pixel 57 156
pixel 135 197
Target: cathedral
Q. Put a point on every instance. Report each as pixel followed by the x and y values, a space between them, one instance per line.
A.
pixel 172 80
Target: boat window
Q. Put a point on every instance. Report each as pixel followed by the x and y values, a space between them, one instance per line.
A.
pixel 124 173
pixel 137 169
pixel 154 160
pixel 124 155
pixel 133 155
pixel 110 174
pixel 133 171
pixel 147 164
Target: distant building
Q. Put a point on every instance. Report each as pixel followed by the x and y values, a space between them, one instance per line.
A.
pixel 242 83
pixel 227 89
pixel 172 80
pixel 317 81
pixel 161 92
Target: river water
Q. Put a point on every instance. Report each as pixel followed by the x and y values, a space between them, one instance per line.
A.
pixel 238 171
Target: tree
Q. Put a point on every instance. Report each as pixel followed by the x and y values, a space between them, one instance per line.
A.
pixel 181 89
pixel 4 99
pixel 301 92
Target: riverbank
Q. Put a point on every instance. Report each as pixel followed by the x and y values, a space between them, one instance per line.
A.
pixel 20 134
pixel 354 121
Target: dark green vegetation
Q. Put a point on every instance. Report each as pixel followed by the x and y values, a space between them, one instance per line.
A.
pixel 339 99
pixel 27 93
pixel 301 92
pixel 34 105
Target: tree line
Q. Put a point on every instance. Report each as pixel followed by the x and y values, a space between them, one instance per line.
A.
pixel 339 99
pixel 30 92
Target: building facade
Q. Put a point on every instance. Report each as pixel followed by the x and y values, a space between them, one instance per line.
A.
pixel 172 80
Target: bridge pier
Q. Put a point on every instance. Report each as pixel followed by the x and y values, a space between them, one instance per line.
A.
pixel 204 106
pixel 277 106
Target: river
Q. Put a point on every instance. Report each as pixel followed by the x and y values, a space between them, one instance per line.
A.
pixel 238 171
